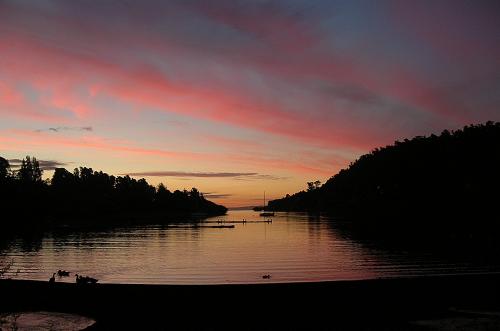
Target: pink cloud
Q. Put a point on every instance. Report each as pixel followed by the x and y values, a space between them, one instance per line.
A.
pixel 458 32
pixel 232 143
pixel 14 104
pixel 104 64
pixel 10 97
pixel 61 73
pixel 276 25
pixel 22 140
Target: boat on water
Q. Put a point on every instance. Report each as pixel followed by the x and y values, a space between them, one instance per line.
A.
pixel 266 213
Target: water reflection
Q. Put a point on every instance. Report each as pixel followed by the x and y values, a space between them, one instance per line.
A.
pixel 294 247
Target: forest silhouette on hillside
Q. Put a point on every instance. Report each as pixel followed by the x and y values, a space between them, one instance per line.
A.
pixel 29 199
pixel 435 179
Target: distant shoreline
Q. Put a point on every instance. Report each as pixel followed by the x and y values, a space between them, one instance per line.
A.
pixel 104 220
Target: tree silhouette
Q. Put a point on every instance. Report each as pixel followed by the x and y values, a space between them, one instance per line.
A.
pixel 85 192
pixel 451 176
pixel 4 168
pixel 30 171
pixel 62 178
pixel 311 186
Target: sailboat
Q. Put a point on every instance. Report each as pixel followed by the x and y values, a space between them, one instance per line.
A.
pixel 264 212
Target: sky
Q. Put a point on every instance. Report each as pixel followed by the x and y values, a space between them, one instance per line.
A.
pixel 238 97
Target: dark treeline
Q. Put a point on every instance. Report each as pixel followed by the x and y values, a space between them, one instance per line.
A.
pixel 455 175
pixel 84 192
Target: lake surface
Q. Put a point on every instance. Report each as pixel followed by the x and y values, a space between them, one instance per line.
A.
pixel 295 247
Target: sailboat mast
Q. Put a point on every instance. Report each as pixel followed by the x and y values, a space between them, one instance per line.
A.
pixel 264 206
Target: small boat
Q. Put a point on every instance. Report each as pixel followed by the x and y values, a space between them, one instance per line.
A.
pixel 264 212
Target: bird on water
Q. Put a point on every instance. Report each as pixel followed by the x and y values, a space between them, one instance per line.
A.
pixel 63 273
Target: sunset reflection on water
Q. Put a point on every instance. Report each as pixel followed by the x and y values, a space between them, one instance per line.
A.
pixel 293 248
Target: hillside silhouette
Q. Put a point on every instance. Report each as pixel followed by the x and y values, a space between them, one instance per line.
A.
pixel 428 179
pixel 28 199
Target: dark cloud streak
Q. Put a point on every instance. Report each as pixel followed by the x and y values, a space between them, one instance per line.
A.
pixel 44 164
pixel 67 128
pixel 192 174
pixel 214 195
pixel 236 175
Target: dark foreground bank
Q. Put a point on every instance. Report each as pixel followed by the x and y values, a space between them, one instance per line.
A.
pixel 364 304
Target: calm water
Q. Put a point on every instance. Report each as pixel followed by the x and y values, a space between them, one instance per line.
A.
pixel 294 247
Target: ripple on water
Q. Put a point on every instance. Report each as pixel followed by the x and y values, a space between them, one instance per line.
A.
pixel 294 247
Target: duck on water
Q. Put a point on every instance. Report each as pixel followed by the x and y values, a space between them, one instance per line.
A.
pixel 85 279
pixel 78 278
pixel 63 273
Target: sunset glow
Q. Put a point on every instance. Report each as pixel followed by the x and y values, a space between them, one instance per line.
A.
pixel 238 97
